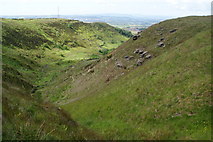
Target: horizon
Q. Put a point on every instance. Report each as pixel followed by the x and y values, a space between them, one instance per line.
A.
pixel 159 17
pixel 141 8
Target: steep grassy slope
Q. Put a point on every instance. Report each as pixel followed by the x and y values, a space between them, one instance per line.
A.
pixel 168 97
pixel 106 70
pixel 29 118
pixel 25 118
pixel 34 53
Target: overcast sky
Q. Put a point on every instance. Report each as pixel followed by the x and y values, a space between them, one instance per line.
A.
pixel 81 7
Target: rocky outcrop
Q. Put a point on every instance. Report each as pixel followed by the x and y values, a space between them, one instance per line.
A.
pixel 161 44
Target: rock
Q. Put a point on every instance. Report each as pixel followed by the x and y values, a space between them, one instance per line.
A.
pixel 144 53
pixel 172 31
pixel 119 65
pixel 160 39
pixel 135 37
pixel 140 52
pixel 136 51
pixel 148 57
pixel 131 57
pixel 90 71
pixel 126 57
pixel 139 62
pixel 161 44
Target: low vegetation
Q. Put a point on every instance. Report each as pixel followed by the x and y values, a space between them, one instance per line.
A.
pixel 73 83
pixel 34 54
pixel 167 97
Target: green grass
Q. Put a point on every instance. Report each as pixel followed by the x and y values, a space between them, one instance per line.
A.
pixel 66 35
pixel 27 117
pixel 167 97
pixel 35 53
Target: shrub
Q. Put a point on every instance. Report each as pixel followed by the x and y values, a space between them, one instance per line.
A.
pixel 104 51
pixel 124 32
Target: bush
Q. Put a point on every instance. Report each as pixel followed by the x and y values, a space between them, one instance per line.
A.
pixel 104 51
pixel 124 32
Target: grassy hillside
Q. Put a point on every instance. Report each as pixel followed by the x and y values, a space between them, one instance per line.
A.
pixel 167 97
pixel 55 70
pixel 35 52
pixel 28 117
pixel 67 39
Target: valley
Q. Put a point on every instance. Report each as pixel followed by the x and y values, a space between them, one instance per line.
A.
pixel 66 79
pixel 35 52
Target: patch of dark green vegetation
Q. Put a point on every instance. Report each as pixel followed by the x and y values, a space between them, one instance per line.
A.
pixel 105 51
pixel 124 32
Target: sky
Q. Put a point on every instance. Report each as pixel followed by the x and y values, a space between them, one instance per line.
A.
pixel 175 8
